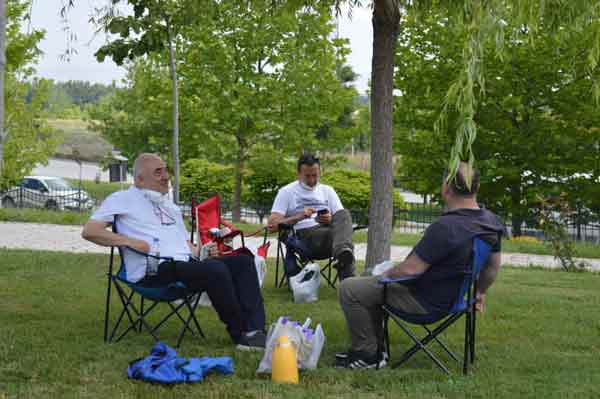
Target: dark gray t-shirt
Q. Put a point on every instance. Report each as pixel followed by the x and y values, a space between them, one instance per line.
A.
pixel 447 247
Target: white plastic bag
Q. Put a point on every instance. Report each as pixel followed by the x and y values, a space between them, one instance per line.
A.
pixel 382 267
pixel 307 342
pixel 305 284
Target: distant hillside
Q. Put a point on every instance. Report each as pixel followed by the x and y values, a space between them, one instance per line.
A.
pixel 77 138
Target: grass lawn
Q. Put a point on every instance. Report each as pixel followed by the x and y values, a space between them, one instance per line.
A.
pixel 537 339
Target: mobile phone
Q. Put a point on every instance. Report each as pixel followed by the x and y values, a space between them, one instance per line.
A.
pixel 322 212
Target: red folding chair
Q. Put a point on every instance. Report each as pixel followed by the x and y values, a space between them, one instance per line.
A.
pixel 207 221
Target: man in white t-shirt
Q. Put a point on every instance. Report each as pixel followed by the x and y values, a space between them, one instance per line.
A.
pixel 144 214
pixel 317 214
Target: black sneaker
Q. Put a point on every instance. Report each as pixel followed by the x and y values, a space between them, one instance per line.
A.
pixel 255 341
pixel 360 361
pixel 345 264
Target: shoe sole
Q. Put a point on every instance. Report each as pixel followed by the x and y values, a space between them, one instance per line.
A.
pixel 246 348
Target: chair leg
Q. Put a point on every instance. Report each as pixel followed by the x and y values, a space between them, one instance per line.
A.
pixel 107 308
pixel 420 345
pixel 472 341
pixel 467 354
pixel 442 344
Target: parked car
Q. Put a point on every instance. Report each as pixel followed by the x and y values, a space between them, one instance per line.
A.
pixel 46 192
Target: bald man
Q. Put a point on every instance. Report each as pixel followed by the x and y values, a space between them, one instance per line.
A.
pixel 144 213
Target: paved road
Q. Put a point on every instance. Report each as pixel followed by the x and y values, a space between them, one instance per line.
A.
pixel 68 238
pixel 70 169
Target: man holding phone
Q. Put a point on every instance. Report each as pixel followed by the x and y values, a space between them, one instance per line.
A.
pixel 317 214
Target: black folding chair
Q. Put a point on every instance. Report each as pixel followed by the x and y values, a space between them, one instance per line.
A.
pixel 297 255
pixel 463 305
pixel 134 318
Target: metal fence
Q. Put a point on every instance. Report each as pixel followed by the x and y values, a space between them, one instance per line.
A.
pixel 71 199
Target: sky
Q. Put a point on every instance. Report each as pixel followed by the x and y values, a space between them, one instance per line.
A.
pixel 83 65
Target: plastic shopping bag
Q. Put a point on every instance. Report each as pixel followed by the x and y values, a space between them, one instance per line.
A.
pixel 305 285
pixel 307 342
pixel 382 267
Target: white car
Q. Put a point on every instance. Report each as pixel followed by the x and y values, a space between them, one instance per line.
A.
pixel 46 192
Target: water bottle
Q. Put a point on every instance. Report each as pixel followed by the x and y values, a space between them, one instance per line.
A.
pixel 151 261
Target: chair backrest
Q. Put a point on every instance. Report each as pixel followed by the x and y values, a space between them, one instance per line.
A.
pixel 480 253
pixel 208 216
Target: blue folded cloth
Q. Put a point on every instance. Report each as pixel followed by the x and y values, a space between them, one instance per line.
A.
pixel 163 366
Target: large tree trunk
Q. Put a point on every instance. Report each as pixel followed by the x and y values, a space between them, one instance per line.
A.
pixel 386 19
pixel 2 67
pixel 175 117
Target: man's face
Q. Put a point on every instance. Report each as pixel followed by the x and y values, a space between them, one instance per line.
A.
pixel 155 175
pixel 309 175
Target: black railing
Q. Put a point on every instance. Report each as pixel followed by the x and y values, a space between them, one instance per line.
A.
pixel 73 199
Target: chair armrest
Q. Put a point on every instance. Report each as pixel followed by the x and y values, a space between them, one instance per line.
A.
pixel 285 226
pixel 147 255
pixel 387 280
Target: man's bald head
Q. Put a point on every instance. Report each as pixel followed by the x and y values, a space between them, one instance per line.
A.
pixel 150 172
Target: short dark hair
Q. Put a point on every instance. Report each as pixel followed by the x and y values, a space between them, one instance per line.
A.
pixel 458 185
pixel 308 160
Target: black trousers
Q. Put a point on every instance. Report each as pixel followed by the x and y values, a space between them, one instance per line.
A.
pixel 231 284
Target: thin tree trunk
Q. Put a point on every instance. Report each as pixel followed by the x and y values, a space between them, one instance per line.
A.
pixel 516 217
pixel 175 117
pixel 236 210
pixel 3 135
pixel 386 20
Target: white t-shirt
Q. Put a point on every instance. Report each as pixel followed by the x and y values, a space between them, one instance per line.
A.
pixel 139 218
pixel 293 198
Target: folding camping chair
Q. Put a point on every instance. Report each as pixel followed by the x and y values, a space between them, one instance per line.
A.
pixel 463 305
pixel 175 295
pixel 207 222
pixel 297 255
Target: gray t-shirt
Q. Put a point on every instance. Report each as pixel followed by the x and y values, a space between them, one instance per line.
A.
pixel 447 247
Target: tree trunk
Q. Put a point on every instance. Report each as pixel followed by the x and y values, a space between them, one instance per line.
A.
pixel 386 19
pixel 516 214
pixel 175 117
pixel 2 68
pixel 236 210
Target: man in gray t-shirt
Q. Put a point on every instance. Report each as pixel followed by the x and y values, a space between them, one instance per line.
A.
pixel 317 214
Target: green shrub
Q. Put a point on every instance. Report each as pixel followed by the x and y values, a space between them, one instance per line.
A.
pixel 99 191
pixel 354 189
pixel 202 178
pixel 266 174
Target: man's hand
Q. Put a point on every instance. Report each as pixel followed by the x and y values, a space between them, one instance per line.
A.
pixel 213 250
pixel 307 212
pixel 480 302
pixel 324 218
pixel 138 245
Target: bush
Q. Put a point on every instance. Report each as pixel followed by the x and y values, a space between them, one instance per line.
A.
pixel 99 191
pixel 266 175
pixel 203 178
pixel 354 189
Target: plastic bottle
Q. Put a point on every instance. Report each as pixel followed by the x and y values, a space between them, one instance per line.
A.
pixel 152 261
pixel 284 365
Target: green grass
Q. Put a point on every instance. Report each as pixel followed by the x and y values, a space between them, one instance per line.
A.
pixel 537 339
pixel 30 215
pixel 584 250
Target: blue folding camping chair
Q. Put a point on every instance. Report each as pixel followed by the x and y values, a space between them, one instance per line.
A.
pixel 463 305
pixel 131 318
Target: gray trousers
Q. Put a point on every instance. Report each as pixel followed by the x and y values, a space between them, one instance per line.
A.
pixel 361 299
pixel 324 241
